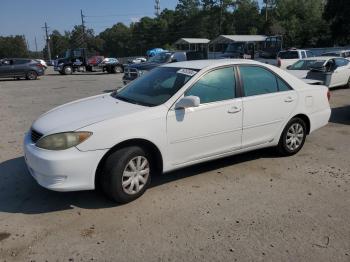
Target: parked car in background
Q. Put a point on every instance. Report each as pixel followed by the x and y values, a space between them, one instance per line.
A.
pixel 137 60
pixel 93 62
pixel 29 69
pixel 332 71
pixel 341 53
pixel 133 71
pixel 290 56
pixel 111 65
pixel 177 115
pixel 42 62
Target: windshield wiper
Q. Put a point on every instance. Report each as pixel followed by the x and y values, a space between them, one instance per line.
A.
pixel 132 101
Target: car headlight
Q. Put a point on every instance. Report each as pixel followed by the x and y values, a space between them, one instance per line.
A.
pixel 61 141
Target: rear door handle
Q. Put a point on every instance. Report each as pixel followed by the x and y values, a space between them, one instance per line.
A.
pixel 289 99
pixel 234 110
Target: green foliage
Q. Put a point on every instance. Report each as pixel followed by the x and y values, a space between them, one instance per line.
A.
pixel 337 12
pixel 303 23
pixel 13 46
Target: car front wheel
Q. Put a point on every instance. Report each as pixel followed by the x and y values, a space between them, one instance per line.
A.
pixel 292 138
pixel 126 174
pixel 68 70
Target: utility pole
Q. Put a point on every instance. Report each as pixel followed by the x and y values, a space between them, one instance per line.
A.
pixel 82 25
pixel 36 45
pixel 47 40
pixel 157 8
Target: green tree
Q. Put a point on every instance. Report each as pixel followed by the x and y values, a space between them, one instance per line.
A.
pixel 337 12
pixel 13 46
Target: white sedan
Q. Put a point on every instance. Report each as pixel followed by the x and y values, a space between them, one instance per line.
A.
pixel 330 71
pixel 177 115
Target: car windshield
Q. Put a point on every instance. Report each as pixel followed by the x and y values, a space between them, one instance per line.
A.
pixel 306 64
pixel 160 58
pixel 288 54
pixel 156 87
pixel 235 47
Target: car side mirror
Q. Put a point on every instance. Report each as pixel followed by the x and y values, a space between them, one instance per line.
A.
pixel 187 102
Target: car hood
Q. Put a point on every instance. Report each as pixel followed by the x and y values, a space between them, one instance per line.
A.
pixel 82 113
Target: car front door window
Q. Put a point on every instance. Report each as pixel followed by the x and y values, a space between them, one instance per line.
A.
pixel 217 85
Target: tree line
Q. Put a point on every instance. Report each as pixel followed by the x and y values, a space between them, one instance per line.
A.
pixel 303 23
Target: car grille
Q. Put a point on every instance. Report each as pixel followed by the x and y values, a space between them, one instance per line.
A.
pixel 35 136
pixel 131 72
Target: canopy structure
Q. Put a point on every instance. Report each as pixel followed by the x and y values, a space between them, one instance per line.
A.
pixel 226 39
pixel 192 44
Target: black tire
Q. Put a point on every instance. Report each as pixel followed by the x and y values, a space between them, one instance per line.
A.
pixel 117 69
pixel 31 75
pixel 348 84
pixel 61 72
pixel 67 70
pixel 285 145
pixel 88 68
pixel 112 177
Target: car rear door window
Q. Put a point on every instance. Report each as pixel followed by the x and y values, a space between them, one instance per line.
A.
pixel 20 61
pixel 257 80
pixel 341 62
pixel 216 85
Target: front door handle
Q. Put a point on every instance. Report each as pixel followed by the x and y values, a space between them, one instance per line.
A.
pixel 234 110
pixel 289 99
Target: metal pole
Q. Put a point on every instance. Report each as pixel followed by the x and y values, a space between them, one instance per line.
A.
pixel 47 40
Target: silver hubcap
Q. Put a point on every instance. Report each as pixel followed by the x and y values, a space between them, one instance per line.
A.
pixel 295 136
pixel 68 70
pixel 135 175
pixel 31 75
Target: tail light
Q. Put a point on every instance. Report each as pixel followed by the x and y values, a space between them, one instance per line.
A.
pixel 328 95
pixel 40 65
pixel 279 62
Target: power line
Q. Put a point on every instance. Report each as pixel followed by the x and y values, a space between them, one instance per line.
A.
pixel 47 40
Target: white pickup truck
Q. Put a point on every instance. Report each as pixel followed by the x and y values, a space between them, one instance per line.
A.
pixel 288 57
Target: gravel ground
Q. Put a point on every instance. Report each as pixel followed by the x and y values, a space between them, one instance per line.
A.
pixel 251 207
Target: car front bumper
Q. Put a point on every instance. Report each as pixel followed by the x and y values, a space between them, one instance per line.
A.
pixel 65 170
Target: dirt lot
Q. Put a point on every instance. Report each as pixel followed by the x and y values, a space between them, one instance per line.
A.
pixel 252 207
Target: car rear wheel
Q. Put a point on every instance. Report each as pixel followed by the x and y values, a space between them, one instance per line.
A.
pixel 31 75
pixel 292 138
pixel 117 69
pixel 67 70
pixel 126 174
pixel 348 84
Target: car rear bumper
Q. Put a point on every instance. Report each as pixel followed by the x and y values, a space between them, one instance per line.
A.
pixel 66 170
pixel 319 119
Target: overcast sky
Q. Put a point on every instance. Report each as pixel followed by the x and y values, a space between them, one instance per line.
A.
pixel 23 17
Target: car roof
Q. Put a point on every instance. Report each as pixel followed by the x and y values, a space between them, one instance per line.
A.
pixel 200 64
